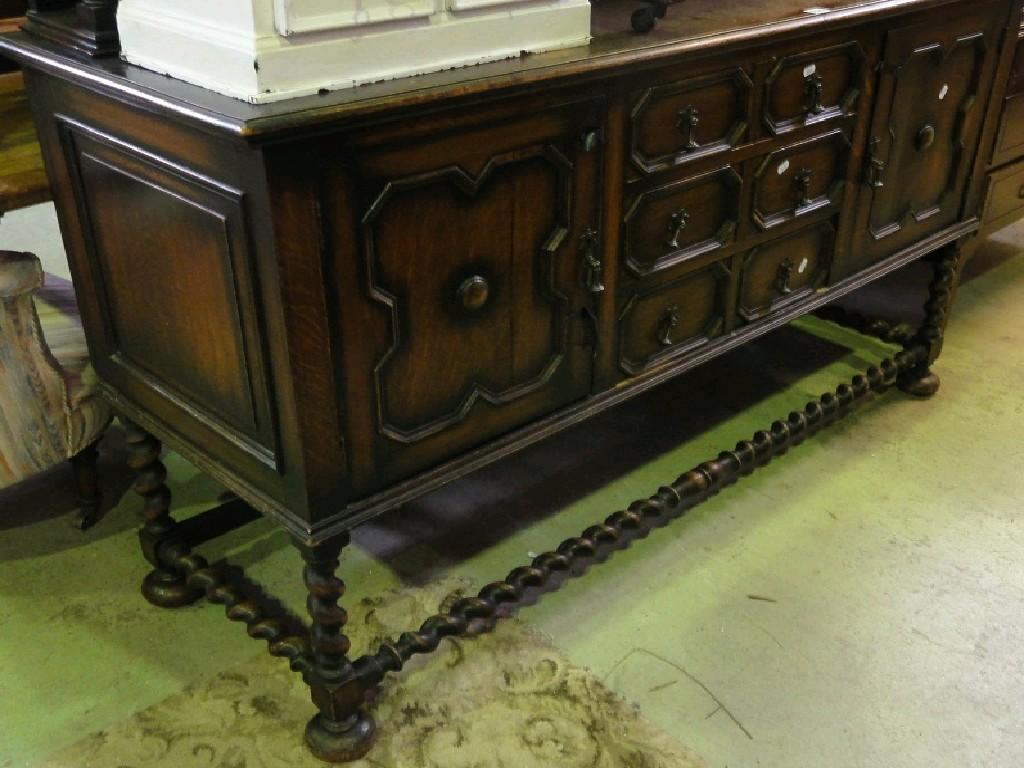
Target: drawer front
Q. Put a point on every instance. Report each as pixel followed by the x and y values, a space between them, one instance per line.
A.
pixel 801 179
pixel 1010 141
pixel 1005 201
pixel 782 271
pixel 664 322
pixel 676 222
pixel 813 87
pixel 678 122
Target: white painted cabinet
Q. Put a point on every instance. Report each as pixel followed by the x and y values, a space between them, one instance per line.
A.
pixel 267 50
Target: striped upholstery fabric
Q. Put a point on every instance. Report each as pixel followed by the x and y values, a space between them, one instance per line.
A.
pixel 49 410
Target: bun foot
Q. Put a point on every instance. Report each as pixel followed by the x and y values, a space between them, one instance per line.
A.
pixel 168 590
pixel 340 742
pixel 920 385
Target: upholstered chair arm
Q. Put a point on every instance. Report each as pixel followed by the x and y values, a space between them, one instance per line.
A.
pixel 20 273
pixel 33 394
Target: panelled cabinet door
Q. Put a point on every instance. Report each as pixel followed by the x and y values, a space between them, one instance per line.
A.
pixel 931 103
pixel 470 274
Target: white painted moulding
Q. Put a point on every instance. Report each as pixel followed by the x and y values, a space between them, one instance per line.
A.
pixel 267 50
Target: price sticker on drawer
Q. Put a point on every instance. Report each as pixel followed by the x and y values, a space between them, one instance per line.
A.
pixel 944 91
pixel 803 266
pixel 810 69
pixel 783 167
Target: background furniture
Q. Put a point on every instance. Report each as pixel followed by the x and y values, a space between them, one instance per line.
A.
pixel 50 411
pixel 23 179
pixel 338 303
pixel 1004 189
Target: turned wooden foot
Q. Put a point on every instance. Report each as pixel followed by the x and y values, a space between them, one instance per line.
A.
pixel 87 480
pixel 340 741
pixel 923 384
pixel 342 730
pixel 164 586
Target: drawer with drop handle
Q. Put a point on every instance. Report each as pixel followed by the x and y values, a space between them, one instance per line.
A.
pixel 801 179
pixel 782 271
pixel 680 121
pixel 664 321
pixel 813 87
pixel 682 220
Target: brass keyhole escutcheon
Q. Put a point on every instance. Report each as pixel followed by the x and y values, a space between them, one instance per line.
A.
pixel 925 137
pixel 473 293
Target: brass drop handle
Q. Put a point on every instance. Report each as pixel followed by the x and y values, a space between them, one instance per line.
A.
pixel 676 224
pixel 592 266
pixel 925 137
pixel 802 179
pixel 814 87
pixel 783 276
pixel 687 121
pixel 473 293
pixel 666 326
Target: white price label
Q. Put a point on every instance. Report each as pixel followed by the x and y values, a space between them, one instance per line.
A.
pixel 783 167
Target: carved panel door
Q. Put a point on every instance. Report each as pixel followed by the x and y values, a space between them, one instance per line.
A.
pixel 935 77
pixel 471 274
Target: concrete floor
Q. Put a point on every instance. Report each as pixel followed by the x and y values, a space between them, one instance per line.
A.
pixel 860 602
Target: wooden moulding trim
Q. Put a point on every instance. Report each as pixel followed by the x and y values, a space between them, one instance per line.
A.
pixel 52 59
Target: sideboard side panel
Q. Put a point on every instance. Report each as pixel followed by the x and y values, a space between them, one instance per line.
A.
pixel 157 226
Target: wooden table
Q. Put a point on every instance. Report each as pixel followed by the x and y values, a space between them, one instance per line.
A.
pixel 335 304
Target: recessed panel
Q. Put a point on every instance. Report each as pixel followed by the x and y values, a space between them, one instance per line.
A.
pixel 171 256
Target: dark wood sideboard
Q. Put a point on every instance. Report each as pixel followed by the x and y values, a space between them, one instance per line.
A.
pixel 335 304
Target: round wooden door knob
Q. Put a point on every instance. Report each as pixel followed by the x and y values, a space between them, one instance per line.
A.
pixel 474 292
pixel 926 137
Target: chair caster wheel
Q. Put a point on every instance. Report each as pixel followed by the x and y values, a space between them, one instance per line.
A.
pixel 643 20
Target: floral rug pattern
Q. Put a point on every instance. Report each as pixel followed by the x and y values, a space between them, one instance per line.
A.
pixel 506 699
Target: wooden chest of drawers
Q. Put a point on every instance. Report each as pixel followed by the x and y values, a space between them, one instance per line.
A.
pixel 339 303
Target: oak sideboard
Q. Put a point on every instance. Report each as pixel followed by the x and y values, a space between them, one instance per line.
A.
pixel 336 303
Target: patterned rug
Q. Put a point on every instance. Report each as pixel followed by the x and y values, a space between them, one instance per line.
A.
pixel 507 699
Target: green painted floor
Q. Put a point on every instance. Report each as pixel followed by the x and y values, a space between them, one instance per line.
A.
pixel 860 602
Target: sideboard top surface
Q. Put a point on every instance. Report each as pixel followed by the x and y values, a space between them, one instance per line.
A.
pixel 691 26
